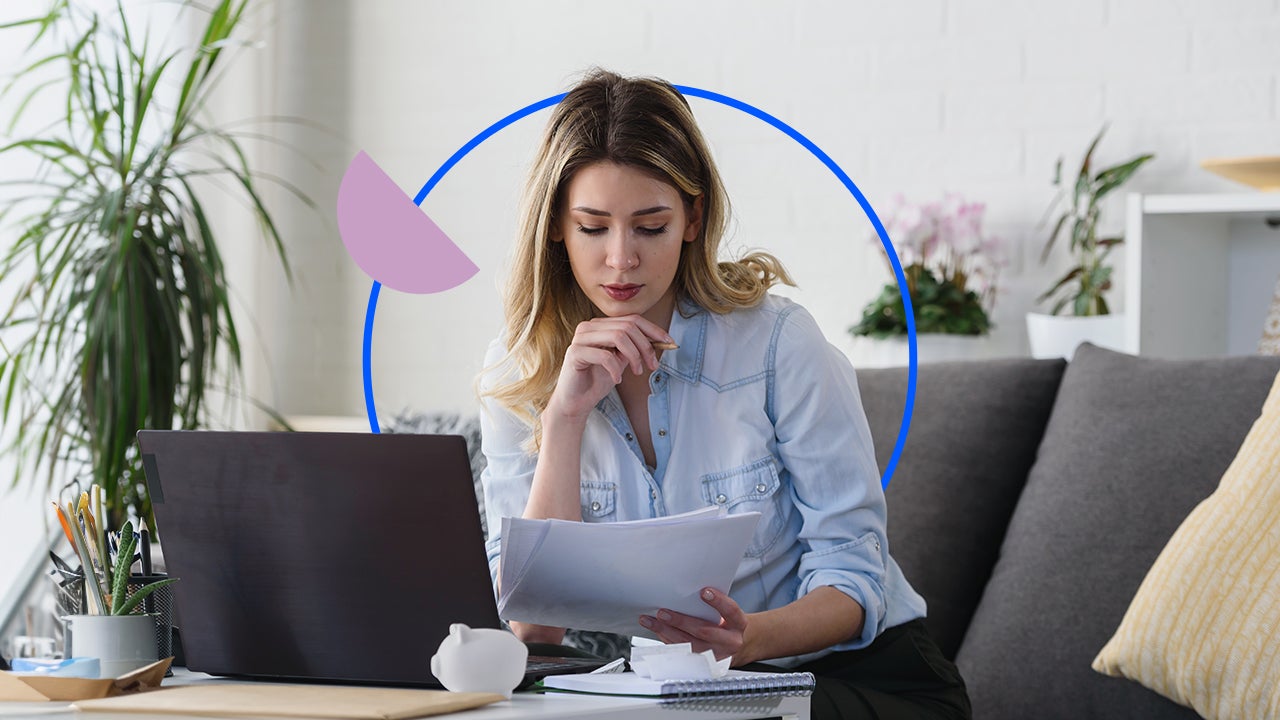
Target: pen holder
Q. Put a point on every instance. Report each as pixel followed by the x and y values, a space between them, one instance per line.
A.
pixel 69 596
pixel 160 604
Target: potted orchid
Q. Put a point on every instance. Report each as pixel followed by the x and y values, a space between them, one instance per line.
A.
pixel 951 266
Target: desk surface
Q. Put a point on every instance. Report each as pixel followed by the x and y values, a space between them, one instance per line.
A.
pixel 521 707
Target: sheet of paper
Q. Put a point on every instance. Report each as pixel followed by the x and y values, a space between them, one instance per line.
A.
pixel 524 540
pixel 603 576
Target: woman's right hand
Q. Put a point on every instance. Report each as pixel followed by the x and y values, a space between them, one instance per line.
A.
pixel 602 350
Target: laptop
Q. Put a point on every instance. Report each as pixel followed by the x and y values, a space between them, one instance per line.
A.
pixel 339 557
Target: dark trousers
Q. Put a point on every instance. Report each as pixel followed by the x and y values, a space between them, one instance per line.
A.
pixel 901 674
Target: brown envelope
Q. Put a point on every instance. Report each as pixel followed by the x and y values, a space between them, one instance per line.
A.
pixel 35 688
pixel 316 701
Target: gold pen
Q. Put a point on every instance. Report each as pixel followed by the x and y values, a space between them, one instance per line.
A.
pixel 659 345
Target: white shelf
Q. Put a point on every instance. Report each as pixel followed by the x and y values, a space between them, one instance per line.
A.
pixel 1242 205
pixel 1199 272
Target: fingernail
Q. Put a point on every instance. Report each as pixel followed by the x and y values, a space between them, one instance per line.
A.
pixel 664 616
pixel 645 621
pixel 708 595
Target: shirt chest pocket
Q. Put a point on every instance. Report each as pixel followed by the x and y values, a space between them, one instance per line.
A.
pixel 754 487
pixel 599 501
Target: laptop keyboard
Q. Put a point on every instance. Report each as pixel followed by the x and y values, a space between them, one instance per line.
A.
pixel 543 665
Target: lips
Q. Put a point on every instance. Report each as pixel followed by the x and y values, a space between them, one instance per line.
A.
pixel 622 292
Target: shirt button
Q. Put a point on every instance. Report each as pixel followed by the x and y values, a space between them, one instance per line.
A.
pixel 657 377
pixel 662 433
pixel 595 507
pixel 722 499
pixel 630 437
pixel 761 487
pixel 653 494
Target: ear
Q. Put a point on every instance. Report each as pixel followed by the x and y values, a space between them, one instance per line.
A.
pixel 694 225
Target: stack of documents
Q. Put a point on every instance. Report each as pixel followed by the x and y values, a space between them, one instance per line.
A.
pixel 603 576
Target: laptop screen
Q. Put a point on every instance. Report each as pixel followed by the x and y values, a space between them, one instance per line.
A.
pixel 324 556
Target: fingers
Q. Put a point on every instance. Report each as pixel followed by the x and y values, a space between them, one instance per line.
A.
pixel 630 336
pixel 673 627
pixel 733 615
pixel 584 357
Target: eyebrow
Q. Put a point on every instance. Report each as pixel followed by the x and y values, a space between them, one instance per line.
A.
pixel 602 213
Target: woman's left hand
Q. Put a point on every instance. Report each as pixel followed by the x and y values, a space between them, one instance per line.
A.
pixel 724 638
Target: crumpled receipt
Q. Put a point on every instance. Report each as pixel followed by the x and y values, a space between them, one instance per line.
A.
pixel 659 661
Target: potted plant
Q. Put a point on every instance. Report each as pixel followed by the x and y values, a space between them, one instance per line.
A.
pixel 1081 292
pixel 123 309
pixel 111 629
pixel 951 266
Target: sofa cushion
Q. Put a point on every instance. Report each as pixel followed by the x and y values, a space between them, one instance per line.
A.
pixel 973 438
pixel 1132 446
pixel 1204 628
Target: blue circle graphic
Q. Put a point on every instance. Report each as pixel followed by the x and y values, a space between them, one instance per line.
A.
pixel 723 100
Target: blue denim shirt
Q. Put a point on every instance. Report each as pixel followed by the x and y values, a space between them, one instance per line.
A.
pixel 754 411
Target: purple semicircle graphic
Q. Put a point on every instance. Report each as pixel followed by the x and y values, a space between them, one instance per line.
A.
pixel 392 239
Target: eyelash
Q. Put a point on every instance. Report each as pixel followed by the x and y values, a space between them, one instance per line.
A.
pixel 642 230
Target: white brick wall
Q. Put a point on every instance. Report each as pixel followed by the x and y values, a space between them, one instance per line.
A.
pixel 978 97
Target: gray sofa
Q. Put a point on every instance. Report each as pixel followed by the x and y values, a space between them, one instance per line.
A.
pixel 1030 500
pixel 1033 496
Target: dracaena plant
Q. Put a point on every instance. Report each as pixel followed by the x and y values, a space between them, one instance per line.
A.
pixel 1082 290
pixel 122 319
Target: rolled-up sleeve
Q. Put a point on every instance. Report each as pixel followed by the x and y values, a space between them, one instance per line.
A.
pixel 508 473
pixel 825 445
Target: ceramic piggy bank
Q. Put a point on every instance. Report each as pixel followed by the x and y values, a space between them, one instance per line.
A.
pixel 480 660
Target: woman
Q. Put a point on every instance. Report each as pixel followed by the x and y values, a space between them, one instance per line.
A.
pixel 588 417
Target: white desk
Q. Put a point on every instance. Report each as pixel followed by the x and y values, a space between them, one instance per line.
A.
pixel 522 706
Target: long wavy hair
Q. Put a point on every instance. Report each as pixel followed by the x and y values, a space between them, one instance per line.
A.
pixel 644 123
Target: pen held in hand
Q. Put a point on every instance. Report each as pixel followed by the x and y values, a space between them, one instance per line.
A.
pixel 660 345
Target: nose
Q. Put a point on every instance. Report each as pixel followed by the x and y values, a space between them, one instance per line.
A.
pixel 620 254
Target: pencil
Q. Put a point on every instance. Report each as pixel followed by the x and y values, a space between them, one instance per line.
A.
pixel 659 345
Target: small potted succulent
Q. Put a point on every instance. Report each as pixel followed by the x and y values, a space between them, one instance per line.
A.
pixel 1079 310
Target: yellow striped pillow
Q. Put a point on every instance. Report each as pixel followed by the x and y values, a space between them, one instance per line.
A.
pixel 1204 627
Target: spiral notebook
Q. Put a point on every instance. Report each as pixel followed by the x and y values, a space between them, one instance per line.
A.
pixel 737 683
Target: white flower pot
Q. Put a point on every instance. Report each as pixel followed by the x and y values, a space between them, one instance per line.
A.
pixel 122 643
pixel 1057 336
pixel 930 348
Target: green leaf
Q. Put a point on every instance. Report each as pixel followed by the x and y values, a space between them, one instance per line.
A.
pixel 124 560
pixel 1114 177
pixel 142 593
pixel 1057 230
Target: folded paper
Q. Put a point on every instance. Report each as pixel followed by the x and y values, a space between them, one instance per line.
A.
pixel 38 688
pixel 676 662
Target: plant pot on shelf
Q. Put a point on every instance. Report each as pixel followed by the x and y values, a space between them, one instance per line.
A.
pixel 122 643
pixel 869 352
pixel 1058 336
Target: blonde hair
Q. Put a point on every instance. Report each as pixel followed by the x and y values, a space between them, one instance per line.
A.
pixel 643 123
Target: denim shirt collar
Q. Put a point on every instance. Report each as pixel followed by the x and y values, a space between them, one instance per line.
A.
pixel 689 329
